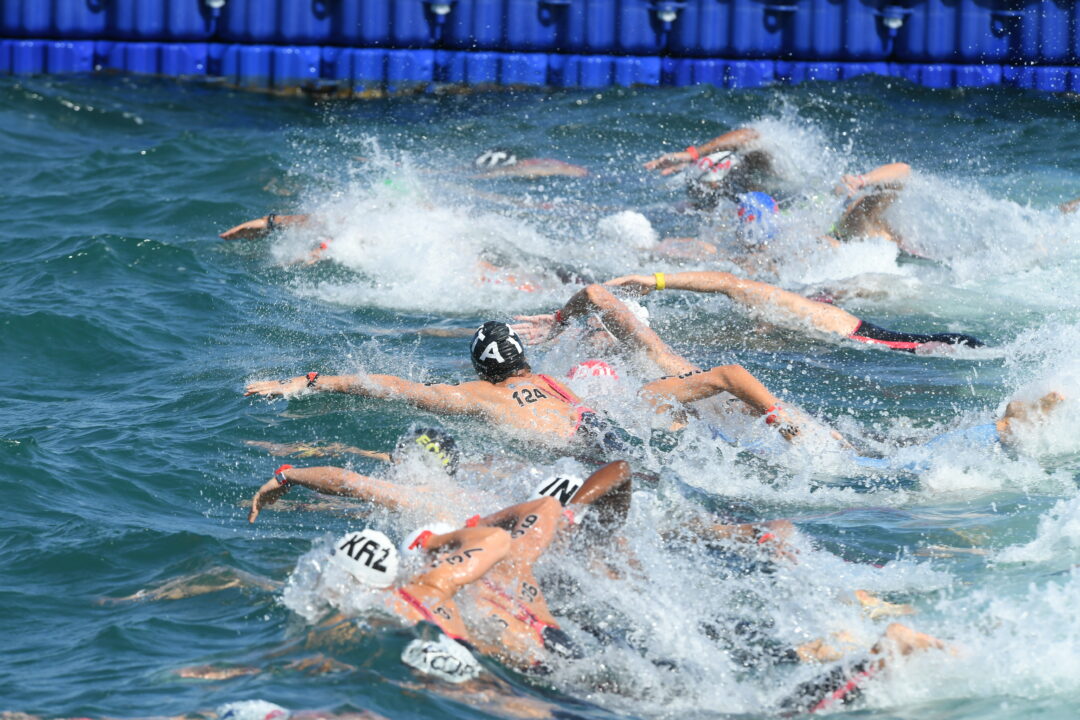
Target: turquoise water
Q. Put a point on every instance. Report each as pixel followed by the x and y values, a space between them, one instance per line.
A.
pixel 130 329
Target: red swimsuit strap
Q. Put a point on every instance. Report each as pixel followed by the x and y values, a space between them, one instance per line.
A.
pixel 425 612
pixel 523 613
pixel 563 394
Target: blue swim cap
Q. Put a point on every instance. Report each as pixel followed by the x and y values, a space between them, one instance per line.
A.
pixel 758 212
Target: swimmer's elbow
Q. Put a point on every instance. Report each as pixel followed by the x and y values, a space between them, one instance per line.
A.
pixel 726 377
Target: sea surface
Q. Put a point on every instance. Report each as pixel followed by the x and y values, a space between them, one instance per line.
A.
pixel 128 331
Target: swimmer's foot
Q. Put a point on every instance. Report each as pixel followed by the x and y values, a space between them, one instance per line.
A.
pixel 875 608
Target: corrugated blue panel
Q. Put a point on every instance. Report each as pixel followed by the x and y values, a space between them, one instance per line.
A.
pixel 306 21
pixel 136 20
pixel 637 71
pixel 591 71
pixel 702 28
pixel 295 66
pixel 184 59
pixel 78 18
pixel 474 24
pixel 818 33
pixel 369 69
pixel 977 75
pixel 5 56
pixel 1074 80
pixel 758 27
pixel 591 26
pixel 413 24
pixel 1047 31
pixel 481 67
pixel 250 21
pixel 142 58
pixel 850 70
pixel 362 23
pixel 864 37
pixel 987 32
pixel 751 73
pixel 63 56
pixel 1048 79
pixel 640 29
pixel 28 57
pixel 52 18
pixel 525 69
pixel 248 65
pixel 930 32
pixel 535 25
pixel 409 68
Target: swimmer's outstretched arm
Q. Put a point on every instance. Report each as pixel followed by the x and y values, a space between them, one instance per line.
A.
pixel 261 226
pixel 439 398
pixel 890 174
pixel 675 161
pixel 463 556
pixel 823 316
pixel 597 299
pixel 333 481
pixel 608 492
pixel 702 384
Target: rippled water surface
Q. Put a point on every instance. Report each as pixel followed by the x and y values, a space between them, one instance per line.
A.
pixel 128 331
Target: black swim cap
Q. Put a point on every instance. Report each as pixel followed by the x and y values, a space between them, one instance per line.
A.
pixel 431 440
pixel 495 158
pixel 497 351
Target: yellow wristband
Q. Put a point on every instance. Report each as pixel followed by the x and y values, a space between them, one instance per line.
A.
pixel 660 283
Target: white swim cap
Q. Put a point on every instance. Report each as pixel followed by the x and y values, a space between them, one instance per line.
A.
pixel 368 556
pixel 562 487
pixel 252 710
pixel 713 168
pixel 443 658
pixel 627 227
pixel 438 528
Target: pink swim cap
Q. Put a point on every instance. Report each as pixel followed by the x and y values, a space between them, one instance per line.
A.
pixel 592 369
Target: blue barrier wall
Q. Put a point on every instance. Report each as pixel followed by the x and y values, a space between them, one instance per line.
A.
pixel 591 43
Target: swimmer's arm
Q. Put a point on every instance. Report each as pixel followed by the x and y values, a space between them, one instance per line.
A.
pixel 891 174
pixel 333 481
pixel 617 318
pixel 702 384
pixel 261 226
pixel 463 557
pixel 672 162
pixel 608 491
pixel 436 398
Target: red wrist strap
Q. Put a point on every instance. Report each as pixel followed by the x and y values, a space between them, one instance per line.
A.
pixel 771 415
pixel 311 378
pixel 559 319
pixel 279 474
pixel 473 521
pixel 693 152
pixel 421 540
pixel 765 537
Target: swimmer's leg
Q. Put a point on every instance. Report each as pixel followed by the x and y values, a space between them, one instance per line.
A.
pixel 876 608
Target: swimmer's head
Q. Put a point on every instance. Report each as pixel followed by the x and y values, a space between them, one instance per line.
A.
pixel 705 179
pixel 627 228
pixel 757 212
pixel 497 351
pixel 561 486
pixel 431 444
pixel 593 377
pixel 368 556
pixel 491 159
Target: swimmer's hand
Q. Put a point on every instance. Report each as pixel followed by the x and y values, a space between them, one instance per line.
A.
pixel 268 494
pixel 640 284
pixel 669 163
pixel 245 231
pixel 850 185
pixel 277 388
pixel 536 329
